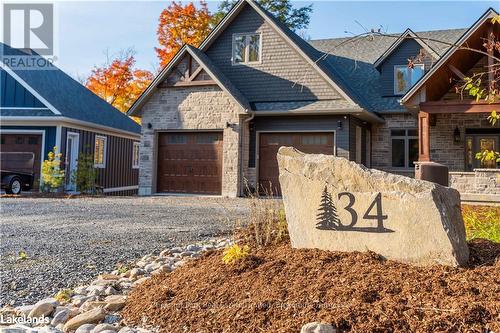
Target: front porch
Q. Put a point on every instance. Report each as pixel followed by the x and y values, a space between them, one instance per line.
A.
pixel 451 133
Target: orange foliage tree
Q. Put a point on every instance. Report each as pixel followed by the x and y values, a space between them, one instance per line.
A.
pixel 179 25
pixel 118 82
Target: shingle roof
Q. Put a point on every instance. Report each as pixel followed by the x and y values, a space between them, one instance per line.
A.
pixel 68 96
pixel 352 60
pixel 224 81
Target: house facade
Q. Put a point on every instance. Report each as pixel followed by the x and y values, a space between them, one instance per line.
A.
pixel 215 116
pixel 43 108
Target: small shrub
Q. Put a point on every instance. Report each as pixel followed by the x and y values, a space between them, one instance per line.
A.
pixel 22 255
pixel 63 296
pixel 235 253
pixel 267 222
pixel 123 268
pixel 482 222
pixel 52 175
pixel 85 175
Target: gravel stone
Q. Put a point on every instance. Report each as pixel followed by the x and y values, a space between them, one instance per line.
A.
pixel 89 236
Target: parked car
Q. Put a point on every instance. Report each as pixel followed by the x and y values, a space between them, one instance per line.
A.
pixel 16 171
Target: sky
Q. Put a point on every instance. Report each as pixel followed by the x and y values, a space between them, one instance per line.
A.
pixel 88 30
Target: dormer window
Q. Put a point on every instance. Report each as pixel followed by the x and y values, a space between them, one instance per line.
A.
pixel 246 48
pixel 405 77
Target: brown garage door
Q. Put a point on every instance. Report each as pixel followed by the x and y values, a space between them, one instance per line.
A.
pixel 269 143
pixel 24 143
pixel 190 162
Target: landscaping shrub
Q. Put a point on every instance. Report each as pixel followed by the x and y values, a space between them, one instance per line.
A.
pixel 267 222
pixel 52 174
pixel 482 222
pixel 85 176
pixel 235 253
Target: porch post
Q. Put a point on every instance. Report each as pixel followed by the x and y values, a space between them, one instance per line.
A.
pixel 423 137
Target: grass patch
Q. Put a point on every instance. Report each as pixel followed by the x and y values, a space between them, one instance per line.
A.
pixel 482 222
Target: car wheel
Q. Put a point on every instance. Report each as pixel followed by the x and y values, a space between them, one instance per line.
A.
pixel 14 186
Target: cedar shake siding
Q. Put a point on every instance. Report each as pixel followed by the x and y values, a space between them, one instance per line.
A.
pixel 282 75
pixel 118 171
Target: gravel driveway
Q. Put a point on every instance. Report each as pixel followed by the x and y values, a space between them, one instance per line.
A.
pixel 70 241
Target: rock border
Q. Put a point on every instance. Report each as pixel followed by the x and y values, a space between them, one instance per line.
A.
pixel 95 308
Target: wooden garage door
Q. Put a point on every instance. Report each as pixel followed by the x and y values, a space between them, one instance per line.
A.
pixel 269 143
pixel 24 143
pixel 190 163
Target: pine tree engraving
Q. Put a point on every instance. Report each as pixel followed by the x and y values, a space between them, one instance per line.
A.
pixel 327 216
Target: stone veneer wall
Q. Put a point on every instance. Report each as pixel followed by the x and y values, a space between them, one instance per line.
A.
pixel 443 148
pixel 481 181
pixel 191 108
pixel 381 141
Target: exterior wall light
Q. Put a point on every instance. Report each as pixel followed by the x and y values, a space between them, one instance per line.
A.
pixel 339 125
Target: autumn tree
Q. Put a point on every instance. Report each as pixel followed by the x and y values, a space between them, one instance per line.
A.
pixel 118 82
pixel 179 25
pixel 294 18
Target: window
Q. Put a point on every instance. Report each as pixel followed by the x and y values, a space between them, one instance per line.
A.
pixel 100 151
pixel 135 156
pixel 177 139
pixel 316 139
pixel 246 48
pixel 19 140
pixel 32 140
pixel 404 148
pixel 208 138
pixel 405 77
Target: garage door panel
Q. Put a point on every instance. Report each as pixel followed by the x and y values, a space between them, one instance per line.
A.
pixel 24 143
pixel 190 163
pixel 269 144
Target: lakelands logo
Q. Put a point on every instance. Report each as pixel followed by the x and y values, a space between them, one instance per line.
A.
pixel 29 26
pixel 11 320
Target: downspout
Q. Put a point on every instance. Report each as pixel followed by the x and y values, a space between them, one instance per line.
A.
pixel 252 116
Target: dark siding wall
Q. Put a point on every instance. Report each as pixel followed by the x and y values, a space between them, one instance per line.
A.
pixel 281 67
pixel 407 49
pixel 13 94
pixel 300 123
pixel 118 171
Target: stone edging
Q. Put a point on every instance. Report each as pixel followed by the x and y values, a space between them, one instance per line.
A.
pixel 95 308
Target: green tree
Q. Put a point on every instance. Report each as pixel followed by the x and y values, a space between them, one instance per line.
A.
pixel 293 18
pixel 85 175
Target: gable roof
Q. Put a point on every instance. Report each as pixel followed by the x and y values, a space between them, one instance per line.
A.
pixel 207 65
pixel 490 13
pixel 64 96
pixel 309 53
pixel 408 34
pixel 354 59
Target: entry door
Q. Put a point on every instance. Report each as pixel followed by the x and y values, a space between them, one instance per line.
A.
pixel 72 143
pixel 476 144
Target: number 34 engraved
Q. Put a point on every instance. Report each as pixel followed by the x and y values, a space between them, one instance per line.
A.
pixel 379 216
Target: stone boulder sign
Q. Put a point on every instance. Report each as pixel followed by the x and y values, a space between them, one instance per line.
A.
pixel 335 204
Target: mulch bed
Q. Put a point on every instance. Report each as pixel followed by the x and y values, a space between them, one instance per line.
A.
pixel 278 289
